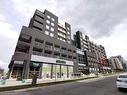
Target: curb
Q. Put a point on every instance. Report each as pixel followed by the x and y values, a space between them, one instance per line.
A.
pixel 32 87
pixel 29 86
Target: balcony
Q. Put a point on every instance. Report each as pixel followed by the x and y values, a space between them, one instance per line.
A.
pixel 48 55
pixel 39 19
pixel 47 47
pixel 64 51
pixel 37 53
pixel 74 54
pixel 37 44
pixel 56 49
pixel 56 56
pixel 23 43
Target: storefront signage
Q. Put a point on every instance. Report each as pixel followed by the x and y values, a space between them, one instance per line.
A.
pixel 60 61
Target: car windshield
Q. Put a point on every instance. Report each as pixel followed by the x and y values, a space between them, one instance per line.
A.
pixel 123 76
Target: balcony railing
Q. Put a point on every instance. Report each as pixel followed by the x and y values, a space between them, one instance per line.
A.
pixel 38 44
pixel 48 55
pixel 56 49
pixel 48 47
pixel 37 53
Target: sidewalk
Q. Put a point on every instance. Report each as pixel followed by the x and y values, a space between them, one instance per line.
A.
pixel 13 85
pixel 14 82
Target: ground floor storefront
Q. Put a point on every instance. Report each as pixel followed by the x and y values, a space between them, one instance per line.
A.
pixel 43 70
pixel 48 70
pixel 43 67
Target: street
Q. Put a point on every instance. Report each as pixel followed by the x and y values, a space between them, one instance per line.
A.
pixel 104 86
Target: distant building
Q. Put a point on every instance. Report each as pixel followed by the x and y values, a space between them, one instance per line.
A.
pixel 116 62
pixel 94 55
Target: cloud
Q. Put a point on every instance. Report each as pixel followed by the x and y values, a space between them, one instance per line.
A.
pixel 116 43
pixel 8 39
pixel 97 17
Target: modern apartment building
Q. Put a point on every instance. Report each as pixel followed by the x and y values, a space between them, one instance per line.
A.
pixel 82 62
pixel 82 42
pixel 44 48
pixel 116 62
pixel 102 60
pixel 94 55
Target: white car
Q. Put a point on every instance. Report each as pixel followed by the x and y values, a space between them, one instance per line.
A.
pixel 121 81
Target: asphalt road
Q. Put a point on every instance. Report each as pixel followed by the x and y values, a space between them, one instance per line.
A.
pixel 104 86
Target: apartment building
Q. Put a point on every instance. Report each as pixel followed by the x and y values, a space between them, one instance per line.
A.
pixel 44 48
pixel 94 55
pixel 115 63
pixel 90 62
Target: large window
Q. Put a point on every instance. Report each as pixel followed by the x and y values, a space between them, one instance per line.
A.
pixel 52 29
pixel 70 68
pixel 56 71
pixel 52 19
pixel 51 34
pixel 47 32
pixel 48 17
pixel 46 71
pixel 52 24
pixel 47 27
pixel 47 21
pixel 63 71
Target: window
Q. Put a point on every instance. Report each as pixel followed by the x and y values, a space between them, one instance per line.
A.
pixel 47 21
pixel 52 24
pixel 68 37
pixel 68 28
pixel 69 42
pixel 47 26
pixel 47 32
pixel 52 29
pixel 53 19
pixel 68 32
pixel 48 16
pixel 51 34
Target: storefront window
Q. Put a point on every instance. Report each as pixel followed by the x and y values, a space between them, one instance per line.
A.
pixel 46 71
pixel 63 71
pixel 56 71
pixel 70 70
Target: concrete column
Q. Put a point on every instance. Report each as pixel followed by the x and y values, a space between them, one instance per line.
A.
pixel 10 71
pixel 60 71
pixel 67 72
pixel 40 70
pixel 51 71
pixel 26 69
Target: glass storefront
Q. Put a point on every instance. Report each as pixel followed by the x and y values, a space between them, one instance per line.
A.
pixel 46 71
pixel 70 70
pixel 56 71
pixel 63 71
pixel 50 70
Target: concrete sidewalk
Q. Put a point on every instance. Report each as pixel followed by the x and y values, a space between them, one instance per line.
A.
pixel 49 81
pixel 13 82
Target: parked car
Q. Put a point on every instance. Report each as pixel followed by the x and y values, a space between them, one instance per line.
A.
pixel 121 81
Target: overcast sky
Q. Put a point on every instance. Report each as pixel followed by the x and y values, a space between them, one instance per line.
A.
pixel 105 21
